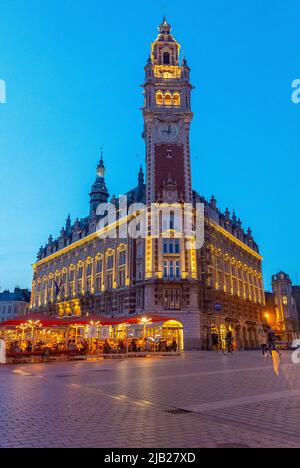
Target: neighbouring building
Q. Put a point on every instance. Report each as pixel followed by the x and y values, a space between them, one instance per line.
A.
pixel 14 304
pixel 219 287
pixel 280 311
pixel 296 296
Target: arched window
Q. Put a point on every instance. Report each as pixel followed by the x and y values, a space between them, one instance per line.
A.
pixel 168 99
pixel 166 58
pixel 176 99
pixel 159 98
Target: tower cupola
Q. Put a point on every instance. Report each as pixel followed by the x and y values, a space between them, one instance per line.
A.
pixel 99 193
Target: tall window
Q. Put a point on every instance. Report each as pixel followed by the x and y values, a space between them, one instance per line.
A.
pixel 110 262
pixel 121 304
pixel 71 282
pixel 44 294
pixel 64 282
pixel 171 246
pixel 172 269
pixel 168 99
pixel 99 272
pixel 176 99
pixel 172 300
pixel 89 277
pixel 159 98
pixel 122 278
pixel 50 290
pixel 166 58
pixel 140 299
pixel 139 250
pixel 122 258
pixel 109 281
pixel 80 279
pixel 108 305
pixel 140 271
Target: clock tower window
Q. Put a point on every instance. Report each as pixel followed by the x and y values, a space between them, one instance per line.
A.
pixel 168 99
pixel 166 58
pixel 159 98
pixel 176 99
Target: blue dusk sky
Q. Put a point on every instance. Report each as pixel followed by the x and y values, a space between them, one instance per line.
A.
pixel 73 71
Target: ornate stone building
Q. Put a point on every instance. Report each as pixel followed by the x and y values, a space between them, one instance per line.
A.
pixel 281 311
pixel 217 287
pixel 296 296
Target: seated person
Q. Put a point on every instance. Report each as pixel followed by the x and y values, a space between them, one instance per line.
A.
pixel 106 347
pixel 72 346
pixel 174 346
pixel 29 347
pixel 15 348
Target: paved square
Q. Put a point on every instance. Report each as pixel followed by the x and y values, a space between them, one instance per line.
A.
pixel 193 401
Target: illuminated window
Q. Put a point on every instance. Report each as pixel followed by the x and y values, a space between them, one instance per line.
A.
pixel 109 281
pixel 172 299
pixel 122 258
pixel 176 99
pixel 171 246
pixel 110 262
pixel 168 99
pixel 71 283
pixel 285 300
pixel 172 269
pixel 159 99
pixel 80 279
pixel 50 290
pixel 99 265
pixel 89 273
pixel 122 278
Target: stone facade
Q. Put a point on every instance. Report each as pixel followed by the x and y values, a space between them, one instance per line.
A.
pixel 281 311
pixel 296 296
pixel 219 286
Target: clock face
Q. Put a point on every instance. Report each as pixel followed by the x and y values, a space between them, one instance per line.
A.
pixel 168 131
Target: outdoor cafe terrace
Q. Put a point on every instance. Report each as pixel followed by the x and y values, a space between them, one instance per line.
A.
pixel 36 338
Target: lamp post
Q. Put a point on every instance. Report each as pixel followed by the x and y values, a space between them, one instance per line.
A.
pixel 33 326
pixel 98 326
pixel 145 321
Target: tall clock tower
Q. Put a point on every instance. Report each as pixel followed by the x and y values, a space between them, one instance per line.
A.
pixel 167 119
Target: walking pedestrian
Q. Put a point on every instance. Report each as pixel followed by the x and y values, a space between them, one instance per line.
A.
pixel 215 342
pixel 263 342
pixel 272 342
pixel 229 342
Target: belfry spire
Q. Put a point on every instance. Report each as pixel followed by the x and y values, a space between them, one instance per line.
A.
pixel 99 193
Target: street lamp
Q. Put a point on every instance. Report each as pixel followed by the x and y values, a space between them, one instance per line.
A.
pixel 98 326
pixel 145 321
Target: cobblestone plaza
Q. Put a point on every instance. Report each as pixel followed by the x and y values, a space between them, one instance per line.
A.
pixel 192 401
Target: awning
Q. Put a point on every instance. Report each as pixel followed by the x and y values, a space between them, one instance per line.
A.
pixel 32 320
pixel 39 320
pixel 105 321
